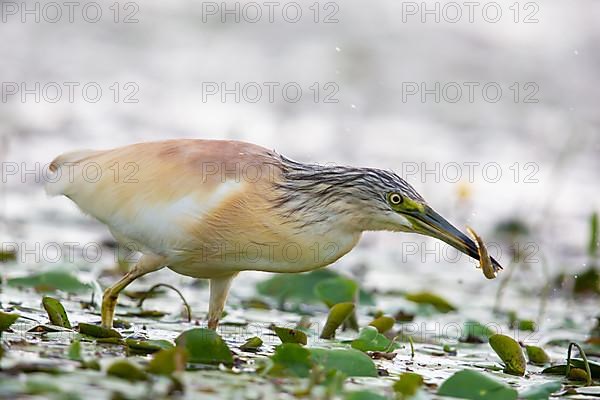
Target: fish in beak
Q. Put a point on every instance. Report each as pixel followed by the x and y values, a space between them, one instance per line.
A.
pixel 430 223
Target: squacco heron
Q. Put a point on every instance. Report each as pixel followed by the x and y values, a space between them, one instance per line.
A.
pixel 211 209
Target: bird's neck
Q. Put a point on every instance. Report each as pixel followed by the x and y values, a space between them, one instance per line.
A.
pixel 320 197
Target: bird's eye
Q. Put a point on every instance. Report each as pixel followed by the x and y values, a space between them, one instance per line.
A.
pixel 395 199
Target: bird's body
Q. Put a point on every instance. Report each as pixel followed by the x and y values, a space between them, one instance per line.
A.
pixel 210 209
pixel 205 206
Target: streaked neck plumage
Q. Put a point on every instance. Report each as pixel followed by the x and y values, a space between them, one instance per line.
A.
pixel 348 198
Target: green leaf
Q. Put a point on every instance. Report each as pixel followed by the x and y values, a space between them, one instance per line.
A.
pixel 167 361
pixel 561 369
pixel 383 323
pixel 56 312
pixel 408 384
pixel 205 346
pixel 75 351
pixel 336 290
pixel 98 331
pixel 6 320
pixel 473 385
pixel 587 281
pixel 291 359
pixel 301 287
pixel 337 315
pixel 537 355
pixel 8 255
pixel 540 392
pixel 594 243
pixel 527 325
pixel 364 395
pixel 349 361
pixel 369 339
pixel 126 370
pixel 476 332
pixel 252 344
pixel 147 346
pixel 288 335
pixel 436 301
pixel 510 352
pixel 51 281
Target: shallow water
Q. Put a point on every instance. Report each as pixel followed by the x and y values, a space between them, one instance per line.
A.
pixel 546 152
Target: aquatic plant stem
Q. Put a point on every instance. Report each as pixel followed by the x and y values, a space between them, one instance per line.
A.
pixel 588 381
pixel 185 303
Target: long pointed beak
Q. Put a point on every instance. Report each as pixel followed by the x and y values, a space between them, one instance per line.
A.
pixel 432 224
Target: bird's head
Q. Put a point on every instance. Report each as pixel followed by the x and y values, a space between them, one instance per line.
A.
pixel 395 205
pixel 363 199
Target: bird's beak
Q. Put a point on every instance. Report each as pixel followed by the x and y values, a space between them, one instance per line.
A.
pixel 432 224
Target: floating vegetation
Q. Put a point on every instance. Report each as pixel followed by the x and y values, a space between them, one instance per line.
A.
pixel 510 352
pixel 437 302
pixel 98 331
pixel 287 335
pixel 337 315
pixel 51 281
pixel 205 346
pixel 56 312
pixel 266 351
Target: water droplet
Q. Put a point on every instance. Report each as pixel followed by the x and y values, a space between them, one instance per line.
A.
pixel 576 52
pixel 353 105
pixel 338 49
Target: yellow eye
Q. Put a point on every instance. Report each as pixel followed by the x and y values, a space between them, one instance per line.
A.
pixel 395 199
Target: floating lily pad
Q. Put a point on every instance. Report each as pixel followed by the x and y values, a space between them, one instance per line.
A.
pixel 561 369
pixel 475 332
pixel 337 315
pixel 473 385
pixel 127 370
pixel 336 290
pixel 301 287
pixel 439 303
pixel 537 355
pixel 98 331
pixel 252 344
pixel 540 392
pixel 167 361
pixel 364 395
pixel 147 346
pixel 288 335
pixel 383 323
pixel 56 312
pixel 291 359
pixel 205 346
pixel 408 384
pixel 510 352
pixel 51 281
pixel 369 339
pixel 348 361
pixel 74 352
pixel 6 320
pixel 146 314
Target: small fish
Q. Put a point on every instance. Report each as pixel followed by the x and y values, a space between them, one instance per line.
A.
pixel 485 263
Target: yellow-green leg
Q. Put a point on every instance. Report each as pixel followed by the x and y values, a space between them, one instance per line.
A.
pixel 219 289
pixel 145 265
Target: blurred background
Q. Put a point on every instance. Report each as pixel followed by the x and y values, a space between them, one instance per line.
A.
pixel 490 111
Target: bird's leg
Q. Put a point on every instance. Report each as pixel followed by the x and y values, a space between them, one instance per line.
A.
pixel 219 288
pixel 146 264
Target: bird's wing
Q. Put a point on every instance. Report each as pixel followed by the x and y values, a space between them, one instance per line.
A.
pixel 155 194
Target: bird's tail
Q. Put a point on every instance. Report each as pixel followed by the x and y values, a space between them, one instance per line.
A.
pixel 62 171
